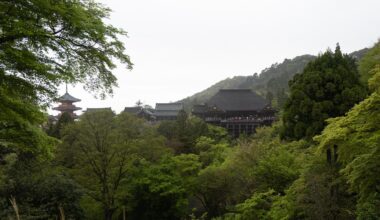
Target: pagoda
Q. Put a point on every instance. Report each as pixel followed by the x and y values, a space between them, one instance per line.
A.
pixel 67 105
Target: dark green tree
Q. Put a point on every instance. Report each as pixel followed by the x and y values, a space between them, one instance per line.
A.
pixel 162 191
pixel 328 87
pixel 55 129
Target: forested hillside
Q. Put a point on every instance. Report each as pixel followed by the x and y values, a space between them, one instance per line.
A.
pixel 273 80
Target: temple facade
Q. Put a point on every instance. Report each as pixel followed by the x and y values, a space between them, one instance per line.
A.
pixel 167 111
pixel 67 105
pixel 238 110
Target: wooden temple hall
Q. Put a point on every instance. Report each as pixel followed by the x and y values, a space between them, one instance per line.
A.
pixel 238 110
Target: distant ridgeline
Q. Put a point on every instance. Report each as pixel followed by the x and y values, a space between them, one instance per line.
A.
pixel 271 83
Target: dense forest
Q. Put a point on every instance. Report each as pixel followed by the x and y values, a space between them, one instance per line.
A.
pixel 320 160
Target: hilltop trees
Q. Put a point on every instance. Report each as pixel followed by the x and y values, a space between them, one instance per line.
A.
pixel 328 87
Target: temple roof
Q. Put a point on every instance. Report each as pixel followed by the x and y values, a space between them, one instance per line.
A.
pixel 169 106
pixel 133 110
pixel 98 109
pixel 66 108
pixel 168 109
pixel 68 98
pixel 237 100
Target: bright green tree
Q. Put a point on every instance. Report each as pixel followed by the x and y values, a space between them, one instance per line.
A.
pixel 328 87
pixel 43 44
pixel 357 137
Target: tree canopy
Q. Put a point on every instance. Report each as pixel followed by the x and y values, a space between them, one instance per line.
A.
pixel 328 87
pixel 43 44
pixel 357 136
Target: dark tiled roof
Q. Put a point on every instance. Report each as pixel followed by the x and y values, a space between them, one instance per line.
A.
pixel 98 109
pixel 133 110
pixel 237 100
pixel 169 107
pixel 67 108
pixel 137 110
pixel 68 98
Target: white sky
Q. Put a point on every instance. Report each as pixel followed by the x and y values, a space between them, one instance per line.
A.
pixel 180 47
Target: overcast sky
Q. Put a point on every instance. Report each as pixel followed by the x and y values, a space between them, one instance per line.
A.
pixel 180 47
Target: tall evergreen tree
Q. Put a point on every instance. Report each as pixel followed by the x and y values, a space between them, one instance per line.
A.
pixel 328 87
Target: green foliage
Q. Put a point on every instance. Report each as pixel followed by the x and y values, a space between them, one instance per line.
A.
pixel 211 151
pixel 19 123
pixel 43 44
pixel 161 191
pixel 99 149
pixel 183 133
pixel 55 128
pixel 40 190
pixel 357 136
pixel 328 87
pixel 368 62
pixel 255 208
pixel 276 170
pixel 68 41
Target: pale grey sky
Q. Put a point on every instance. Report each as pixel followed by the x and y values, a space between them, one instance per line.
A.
pixel 180 47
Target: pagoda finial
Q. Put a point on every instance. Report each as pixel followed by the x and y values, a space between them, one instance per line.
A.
pixel 66 87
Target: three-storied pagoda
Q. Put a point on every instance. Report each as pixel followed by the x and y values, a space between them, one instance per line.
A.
pixel 237 110
pixel 67 105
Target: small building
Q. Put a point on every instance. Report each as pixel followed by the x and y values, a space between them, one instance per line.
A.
pixel 141 112
pixel 238 110
pixel 168 111
pixel 67 105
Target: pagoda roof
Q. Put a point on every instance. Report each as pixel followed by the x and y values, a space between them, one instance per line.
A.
pixel 67 108
pixel 237 100
pixel 68 98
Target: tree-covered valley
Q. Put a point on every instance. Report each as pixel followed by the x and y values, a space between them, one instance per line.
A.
pixel 319 160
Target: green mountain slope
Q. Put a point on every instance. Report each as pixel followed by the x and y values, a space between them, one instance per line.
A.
pixel 273 80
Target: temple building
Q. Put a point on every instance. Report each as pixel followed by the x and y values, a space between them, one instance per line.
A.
pixel 167 111
pixel 67 105
pixel 238 110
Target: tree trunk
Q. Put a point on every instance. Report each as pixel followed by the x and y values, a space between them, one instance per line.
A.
pixel 124 215
pixel 108 213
